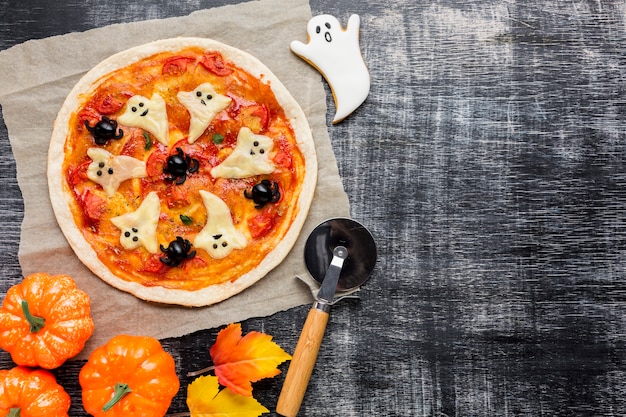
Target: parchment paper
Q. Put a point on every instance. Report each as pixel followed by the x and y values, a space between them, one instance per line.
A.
pixel 37 75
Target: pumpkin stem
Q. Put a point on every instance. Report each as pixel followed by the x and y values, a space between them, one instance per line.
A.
pixel 201 371
pixel 121 390
pixel 14 412
pixel 36 323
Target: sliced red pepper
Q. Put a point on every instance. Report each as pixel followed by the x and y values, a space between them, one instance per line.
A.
pixel 78 174
pixel 154 265
pixel 193 264
pixel 214 63
pixel 283 159
pixel 262 112
pixel 87 114
pixel 262 223
pixel 135 146
pixel 237 104
pixel 93 207
pixel 177 196
pixel 156 161
pixel 176 65
pixel 256 117
pixel 107 104
pixel 204 152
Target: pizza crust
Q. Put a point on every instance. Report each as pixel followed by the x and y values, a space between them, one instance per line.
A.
pixel 61 198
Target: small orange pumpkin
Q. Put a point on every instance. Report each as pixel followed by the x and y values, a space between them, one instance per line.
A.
pixel 45 320
pixel 129 376
pixel 26 392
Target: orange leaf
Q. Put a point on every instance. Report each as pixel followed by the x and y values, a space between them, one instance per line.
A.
pixel 204 399
pixel 240 361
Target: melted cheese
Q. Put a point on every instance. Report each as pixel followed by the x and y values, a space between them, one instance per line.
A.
pixel 139 227
pixel 250 157
pixel 110 171
pixel 203 103
pixel 150 115
pixel 219 236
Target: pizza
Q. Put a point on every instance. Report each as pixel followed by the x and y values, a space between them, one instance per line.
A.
pixel 181 171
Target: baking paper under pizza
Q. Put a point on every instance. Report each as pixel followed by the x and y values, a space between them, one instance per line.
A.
pixel 181 171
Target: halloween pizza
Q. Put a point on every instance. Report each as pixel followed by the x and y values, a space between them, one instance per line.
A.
pixel 181 171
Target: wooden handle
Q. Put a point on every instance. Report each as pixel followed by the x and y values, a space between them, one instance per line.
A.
pixel 302 363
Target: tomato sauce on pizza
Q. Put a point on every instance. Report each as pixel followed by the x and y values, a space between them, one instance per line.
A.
pixel 183 168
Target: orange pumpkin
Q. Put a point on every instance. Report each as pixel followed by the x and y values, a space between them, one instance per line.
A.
pixel 129 376
pixel 26 392
pixel 45 320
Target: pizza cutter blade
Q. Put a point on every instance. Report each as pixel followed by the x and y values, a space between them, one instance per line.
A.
pixel 340 254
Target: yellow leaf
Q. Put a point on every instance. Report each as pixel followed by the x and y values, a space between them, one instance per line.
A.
pixel 204 399
pixel 239 361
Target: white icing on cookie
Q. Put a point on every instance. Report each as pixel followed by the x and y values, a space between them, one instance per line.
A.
pixel 203 103
pixel 150 115
pixel 219 236
pixel 336 54
pixel 139 227
pixel 251 156
pixel 110 171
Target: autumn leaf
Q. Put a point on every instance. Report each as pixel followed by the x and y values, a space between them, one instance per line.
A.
pixel 240 361
pixel 204 399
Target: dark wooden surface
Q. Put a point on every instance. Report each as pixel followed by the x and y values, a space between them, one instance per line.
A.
pixel 488 161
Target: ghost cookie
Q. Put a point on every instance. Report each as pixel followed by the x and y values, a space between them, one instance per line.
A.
pixel 336 54
pixel 219 236
pixel 110 171
pixel 203 103
pixel 138 228
pixel 251 156
pixel 150 115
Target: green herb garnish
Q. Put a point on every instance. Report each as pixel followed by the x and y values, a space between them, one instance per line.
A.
pixel 217 138
pixel 186 219
pixel 146 135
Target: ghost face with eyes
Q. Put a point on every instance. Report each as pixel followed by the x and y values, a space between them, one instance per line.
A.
pixel 336 54
pixel 203 103
pixel 219 237
pixel 138 228
pixel 250 157
pixel 110 171
pixel 147 114
pixel 324 28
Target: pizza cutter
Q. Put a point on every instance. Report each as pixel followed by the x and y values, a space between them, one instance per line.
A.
pixel 340 254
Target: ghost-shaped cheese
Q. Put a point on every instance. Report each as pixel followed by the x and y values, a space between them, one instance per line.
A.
pixel 336 54
pixel 150 115
pixel 203 103
pixel 139 227
pixel 250 157
pixel 110 171
pixel 219 236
